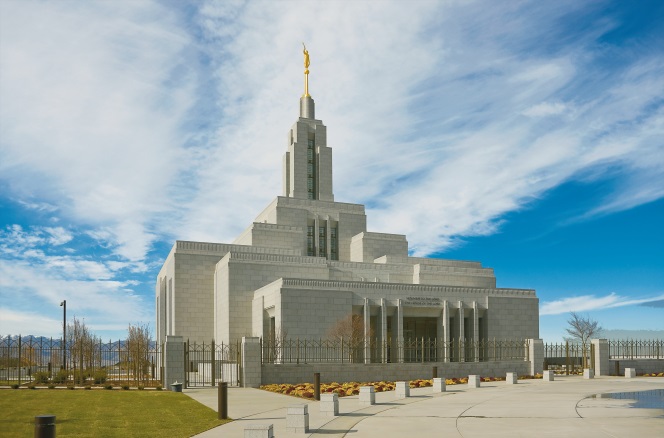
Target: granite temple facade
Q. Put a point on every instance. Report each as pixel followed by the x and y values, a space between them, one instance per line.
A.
pixel 308 261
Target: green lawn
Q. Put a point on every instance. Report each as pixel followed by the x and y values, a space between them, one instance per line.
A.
pixel 103 413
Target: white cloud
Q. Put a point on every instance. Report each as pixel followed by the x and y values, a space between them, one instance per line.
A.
pixel 39 290
pixel 140 123
pixel 101 108
pixel 546 109
pixel 585 303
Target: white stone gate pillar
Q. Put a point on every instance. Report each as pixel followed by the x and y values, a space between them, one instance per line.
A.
pixel 173 361
pixel 536 356
pixel 251 363
pixel 601 356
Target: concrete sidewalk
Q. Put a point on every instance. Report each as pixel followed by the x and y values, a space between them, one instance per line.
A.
pixel 530 408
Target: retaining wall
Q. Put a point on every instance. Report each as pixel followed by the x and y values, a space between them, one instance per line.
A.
pixel 330 372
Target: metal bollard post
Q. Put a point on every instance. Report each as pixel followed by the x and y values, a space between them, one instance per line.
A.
pixel 434 372
pixel 223 401
pixel 317 386
pixel 45 426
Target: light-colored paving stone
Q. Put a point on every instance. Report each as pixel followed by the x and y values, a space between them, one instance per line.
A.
pixel 531 408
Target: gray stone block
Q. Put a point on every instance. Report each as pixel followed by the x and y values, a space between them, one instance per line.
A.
pixel 258 431
pixel 367 396
pixel 297 418
pixel 402 390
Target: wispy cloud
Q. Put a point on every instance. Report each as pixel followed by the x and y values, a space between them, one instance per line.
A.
pixel 142 122
pixel 591 302
pixel 480 120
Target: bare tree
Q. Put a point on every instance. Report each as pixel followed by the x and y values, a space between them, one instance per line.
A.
pixel 351 332
pixel 81 345
pixel 583 328
pixel 139 338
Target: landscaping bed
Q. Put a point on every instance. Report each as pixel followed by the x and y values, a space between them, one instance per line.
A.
pixel 306 390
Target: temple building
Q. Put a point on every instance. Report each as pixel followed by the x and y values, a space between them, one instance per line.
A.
pixel 307 262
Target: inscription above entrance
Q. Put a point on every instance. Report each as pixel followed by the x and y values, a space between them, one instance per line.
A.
pixel 423 301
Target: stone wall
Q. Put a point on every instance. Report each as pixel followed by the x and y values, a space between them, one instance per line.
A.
pixel 643 366
pixel 330 372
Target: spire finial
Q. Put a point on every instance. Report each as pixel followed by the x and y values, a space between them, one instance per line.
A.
pixel 306 70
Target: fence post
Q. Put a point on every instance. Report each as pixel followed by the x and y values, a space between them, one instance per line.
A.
pixel 19 359
pixel 214 365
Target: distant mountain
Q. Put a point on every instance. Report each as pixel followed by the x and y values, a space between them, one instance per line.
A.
pixel 638 335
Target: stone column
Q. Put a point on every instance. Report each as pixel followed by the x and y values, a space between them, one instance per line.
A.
pixel 328 237
pixel 316 237
pixel 536 356
pixel 251 362
pixel 446 331
pixel 476 329
pixel 383 329
pixel 173 361
pixel 601 356
pixel 462 334
pixel 367 328
pixel 400 331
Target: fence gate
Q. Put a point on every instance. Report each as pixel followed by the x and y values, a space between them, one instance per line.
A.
pixel 208 364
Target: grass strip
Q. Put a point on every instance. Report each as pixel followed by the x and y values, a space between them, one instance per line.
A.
pixel 99 413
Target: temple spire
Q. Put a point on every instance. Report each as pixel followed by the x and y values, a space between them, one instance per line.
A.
pixel 306 71
pixel 306 102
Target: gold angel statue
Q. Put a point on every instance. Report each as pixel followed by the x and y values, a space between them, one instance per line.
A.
pixel 306 56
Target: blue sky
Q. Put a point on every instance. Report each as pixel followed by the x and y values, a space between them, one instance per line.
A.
pixel 525 135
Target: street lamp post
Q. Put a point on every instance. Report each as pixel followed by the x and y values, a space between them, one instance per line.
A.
pixel 63 304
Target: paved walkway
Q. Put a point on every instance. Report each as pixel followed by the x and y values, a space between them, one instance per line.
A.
pixel 531 408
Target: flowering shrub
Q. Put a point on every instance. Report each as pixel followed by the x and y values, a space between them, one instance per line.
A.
pixel 654 375
pixel 306 390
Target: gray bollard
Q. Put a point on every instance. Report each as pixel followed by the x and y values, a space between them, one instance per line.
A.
pixel 367 396
pixel 329 404
pixel 45 426
pixel 402 390
pixel 258 431
pixel 588 373
pixel 439 384
pixel 511 378
pixel 473 381
pixel 630 373
pixel 297 418
pixel 222 402
pixel 547 376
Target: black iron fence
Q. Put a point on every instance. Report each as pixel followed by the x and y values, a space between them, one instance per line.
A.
pixel 207 364
pixel 631 349
pixel 46 361
pixel 341 350
pixel 568 357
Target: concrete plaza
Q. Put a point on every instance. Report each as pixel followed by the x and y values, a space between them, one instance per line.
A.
pixel 530 408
